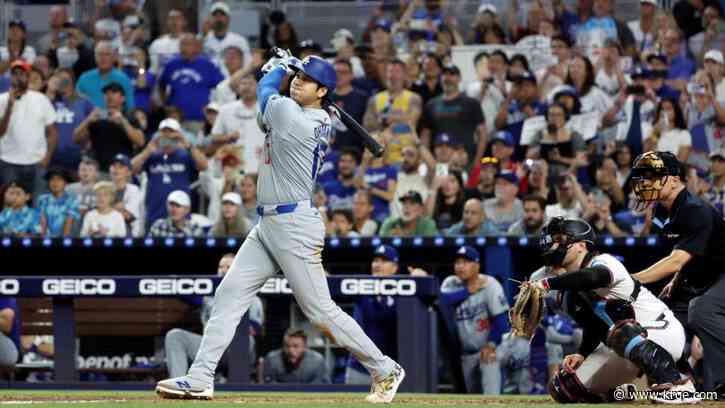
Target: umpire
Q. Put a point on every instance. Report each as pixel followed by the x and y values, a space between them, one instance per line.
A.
pixel 696 291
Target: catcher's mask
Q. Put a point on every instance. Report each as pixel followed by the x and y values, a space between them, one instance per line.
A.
pixel 559 235
pixel 649 175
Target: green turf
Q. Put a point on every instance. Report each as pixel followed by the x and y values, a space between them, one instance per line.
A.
pixel 102 399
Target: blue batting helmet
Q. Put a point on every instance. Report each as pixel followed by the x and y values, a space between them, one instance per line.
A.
pixel 320 71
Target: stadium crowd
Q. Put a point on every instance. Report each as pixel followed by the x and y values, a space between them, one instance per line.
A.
pixel 107 132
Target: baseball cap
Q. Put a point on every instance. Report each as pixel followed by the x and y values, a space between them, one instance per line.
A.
pixel 212 106
pixel 17 23
pixel 384 24
pixel 443 138
pixel 387 252
pixel 487 7
pixel 309 44
pixel 469 253
pixel 509 176
pixel 638 72
pixel 113 86
pixel 219 6
pixel 180 198
pixel 170 123
pixel 232 197
pixel 504 137
pixel 652 2
pixel 451 69
pixel 525 76
pixel 413 196
pixel 343 33
pixel 22 65
pixel 714 55
pixel 489 161
pixel 659 57
pixel 121 158
pixel 718 153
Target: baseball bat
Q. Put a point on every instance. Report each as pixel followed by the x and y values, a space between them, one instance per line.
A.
pixel 371 144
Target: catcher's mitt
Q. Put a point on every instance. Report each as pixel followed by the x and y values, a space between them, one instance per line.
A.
pixel 528 311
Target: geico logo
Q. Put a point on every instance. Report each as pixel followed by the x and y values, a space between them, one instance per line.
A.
pixel 276 286
pixel 79 286
pixel 386 287
pixel 183 286
pixel 9 287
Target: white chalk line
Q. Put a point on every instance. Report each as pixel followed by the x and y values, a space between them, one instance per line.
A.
pixel 30 402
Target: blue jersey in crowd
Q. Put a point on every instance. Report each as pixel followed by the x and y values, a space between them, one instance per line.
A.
pixel 354 103
pixel 328 170
pixel 4 83
pixel 56 211
pixel 142 96
pixel 338 195
pixel 23 221
pixel 11 303
pixel 69 113
pixel 377 316
pixel 379 178
pixel 191 82
pixel 166 173
pixel 91 84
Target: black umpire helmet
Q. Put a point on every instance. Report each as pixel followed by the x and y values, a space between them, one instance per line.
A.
pixel 564 232
pixel 650 171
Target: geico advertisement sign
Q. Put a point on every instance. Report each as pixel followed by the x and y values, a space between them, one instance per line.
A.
pixel 9 287
pixel 183 286
pixel 385 287
pixel 275 286
pixel 79 286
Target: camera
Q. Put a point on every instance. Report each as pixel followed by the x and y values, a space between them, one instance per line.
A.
pixel 635 90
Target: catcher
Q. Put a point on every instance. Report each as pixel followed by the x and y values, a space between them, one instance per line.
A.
pixel 626 329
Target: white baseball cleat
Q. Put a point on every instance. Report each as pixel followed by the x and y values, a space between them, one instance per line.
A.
pixel 676 394
pixel 184 388
pixel 383 391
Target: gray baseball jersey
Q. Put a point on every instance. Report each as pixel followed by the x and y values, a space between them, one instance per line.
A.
pixel 473 315
pixel 294 149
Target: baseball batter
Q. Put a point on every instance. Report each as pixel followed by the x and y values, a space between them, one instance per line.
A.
pixel 289 235
pixel 626 329
pixel 481 320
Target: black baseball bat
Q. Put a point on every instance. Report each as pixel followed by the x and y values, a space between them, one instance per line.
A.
pixel 371 144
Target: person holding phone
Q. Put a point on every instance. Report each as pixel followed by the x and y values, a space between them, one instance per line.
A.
pixel 562 148
pixel 670 132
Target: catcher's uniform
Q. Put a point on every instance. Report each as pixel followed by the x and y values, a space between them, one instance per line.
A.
pixel 603 369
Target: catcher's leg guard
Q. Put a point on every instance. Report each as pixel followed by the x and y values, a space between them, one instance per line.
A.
pixel 566 388
pixel 629 339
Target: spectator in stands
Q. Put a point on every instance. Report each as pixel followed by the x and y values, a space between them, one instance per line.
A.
pixel 445 205
pixel 339 192
pixel 57 17
pixel 643 28
pixel 688 14
pixel 606 180
pixel 17 219
pixel 170 162
pixel 562 148
pixel 233 61
pixel 164 48
pixel 219 37
pixel 27 135
pixel 410 178
pixel 93 84
pixel 136 67
pixel 84 188
pixel 187 81
pixel 341 224
pixel 602 26
pixel 681 67
pixel 533 220
pixel 581 76
pixel 58 209
pixel 343 41
pixel 482 183
pixel 9 332
pixel 571 199
pixel 71 110
pixel 16 47
pixel 36 80
pixel 295 362
pixel 285 35
pixel 657 75
pixel 374 67
pixel 232 222
pixel 248 191
pixel 381 39
pixel 236 124
pixel 377 315
pixel 474 222
pixel 429 85
pixel 308 47
pixel 716 195
pixel 520 104
pixel 502 147
pixel 412 221
pixel 600 215
pixel 713 37
pixel 71 51
pixel 350 98
pixel 491 86
pixel 486 17
pixel 111 130
pixel 538 181
pixel 453 113
pixel 610 68
pixel 480 307
pixel 670 132
pixel 504 209
pixel 178 223
pixel 362 210
pixel 104 221
pixel 181 345
pixel 128 199
pixel 380 179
